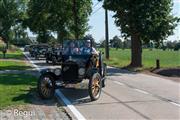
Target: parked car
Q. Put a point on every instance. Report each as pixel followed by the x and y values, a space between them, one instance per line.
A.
pixel 26 48
pixel 75 68
pixel 39 51
pixel 54 55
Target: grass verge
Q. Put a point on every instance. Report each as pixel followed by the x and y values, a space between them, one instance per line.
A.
pixel 13 65
pixel 13 55
pixel 16 89
pixel 168 59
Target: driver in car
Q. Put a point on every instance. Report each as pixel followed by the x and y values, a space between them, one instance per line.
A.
pixel 72 49
pixel 88 49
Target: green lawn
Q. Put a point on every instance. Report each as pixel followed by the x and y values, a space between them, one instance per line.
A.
pixel 13 61
pixel 16 89
pixel 13 65
pixel 121 58
pixel 13 55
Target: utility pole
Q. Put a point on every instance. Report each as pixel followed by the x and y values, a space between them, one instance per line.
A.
pixel 106 34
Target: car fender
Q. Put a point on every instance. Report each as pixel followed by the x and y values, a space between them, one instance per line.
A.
pixel 49 72
pixel 91 72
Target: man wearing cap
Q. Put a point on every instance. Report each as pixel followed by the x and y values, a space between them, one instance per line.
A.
pixel 88 49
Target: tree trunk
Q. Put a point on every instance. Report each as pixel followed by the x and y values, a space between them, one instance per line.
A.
pixel 136 51
pixel 60 37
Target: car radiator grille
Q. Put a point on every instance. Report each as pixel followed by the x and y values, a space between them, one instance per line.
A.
pixel 70 72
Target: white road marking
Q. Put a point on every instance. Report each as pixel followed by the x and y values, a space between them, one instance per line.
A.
pixel 59 94
pixel 32 62
pixel 175 104
pixel 119 83
pixel 147 93
pixel 77 114
pixel 142 91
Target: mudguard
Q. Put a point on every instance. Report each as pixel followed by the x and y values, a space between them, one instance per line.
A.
pixel 50 72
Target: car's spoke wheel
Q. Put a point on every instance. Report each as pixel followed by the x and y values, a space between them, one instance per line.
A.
pixel 95 86
pixel 46 86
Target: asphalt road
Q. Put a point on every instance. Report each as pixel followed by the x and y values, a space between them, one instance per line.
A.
pixel 126 96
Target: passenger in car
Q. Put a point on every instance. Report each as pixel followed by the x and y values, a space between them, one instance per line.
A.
pixel 88 49
pixel 72 49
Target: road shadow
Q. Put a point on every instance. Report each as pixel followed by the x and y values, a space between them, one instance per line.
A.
pixel 169 72
pixel 31 96
pixel 21 88
pixel 42 64
pixel 77 95
pixel 112 71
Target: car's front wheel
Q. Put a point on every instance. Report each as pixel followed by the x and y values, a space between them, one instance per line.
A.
pixel 95 86
pixel 46 86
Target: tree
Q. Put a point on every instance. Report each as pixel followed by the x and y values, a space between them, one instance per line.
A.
pixel 12 13
pixel 9 15
pixel 58 16
pixel 81 13
pixel 116 42
pixel 142 21
pixel 177 46
pixel 102 43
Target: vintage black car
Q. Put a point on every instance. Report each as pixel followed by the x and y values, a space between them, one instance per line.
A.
pixel 75 68
pixel 39 51
pixel 54 55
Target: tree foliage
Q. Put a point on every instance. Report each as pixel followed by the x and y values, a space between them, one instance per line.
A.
pixel 151 19
pixel 116 42
pixel 90 37
pixel 58 16
pixel 8 13
pixel 12 13
pixel 143 20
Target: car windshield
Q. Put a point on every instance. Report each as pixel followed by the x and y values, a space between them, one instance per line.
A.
pixel 77 47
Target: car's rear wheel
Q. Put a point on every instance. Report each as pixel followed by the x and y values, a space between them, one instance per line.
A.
pixel 104 75
pixel 95 86
pixel 46 86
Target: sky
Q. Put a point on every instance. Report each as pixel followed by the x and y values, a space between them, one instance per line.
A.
pixel 97 22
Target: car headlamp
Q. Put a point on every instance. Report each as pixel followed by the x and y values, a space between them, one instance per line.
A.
pixel 81 71
pixel 57 72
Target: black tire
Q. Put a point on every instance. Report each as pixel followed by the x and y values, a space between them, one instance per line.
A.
pixel 104 75
pixel 104 69
pixel 46 86
pixel 95 86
